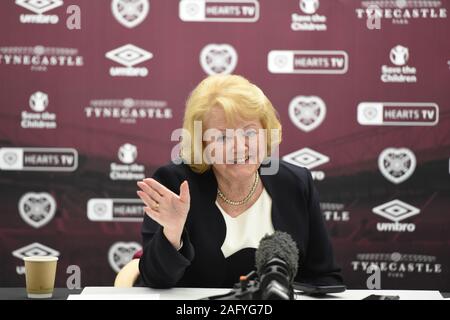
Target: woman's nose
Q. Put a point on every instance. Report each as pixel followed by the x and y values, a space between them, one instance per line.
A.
pixel 240 144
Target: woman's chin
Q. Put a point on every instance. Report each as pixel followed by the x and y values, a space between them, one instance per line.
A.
pixel 241 170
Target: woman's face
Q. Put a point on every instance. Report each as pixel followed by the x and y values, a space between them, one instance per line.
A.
pixel 233 148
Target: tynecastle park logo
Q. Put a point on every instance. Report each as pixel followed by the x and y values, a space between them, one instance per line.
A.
pixel 401 12
pixel 128 110
pixel 41 58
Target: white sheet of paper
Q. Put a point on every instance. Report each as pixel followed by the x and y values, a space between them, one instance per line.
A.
pixel 113 297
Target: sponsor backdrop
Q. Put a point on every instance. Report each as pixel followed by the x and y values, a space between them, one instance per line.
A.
pixel 362 88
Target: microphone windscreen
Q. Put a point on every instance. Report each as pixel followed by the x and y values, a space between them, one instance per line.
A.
pixel 277 245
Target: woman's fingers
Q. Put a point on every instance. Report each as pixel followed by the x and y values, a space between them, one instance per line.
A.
pixel 147 200
pixel 154 215
pixel 151 192
pixel 158 187
pixel 184 192
pixel 162 205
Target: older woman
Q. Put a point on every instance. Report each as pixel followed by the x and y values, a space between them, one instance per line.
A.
pixel 213 208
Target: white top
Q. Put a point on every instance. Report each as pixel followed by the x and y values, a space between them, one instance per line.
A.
pixel 247 229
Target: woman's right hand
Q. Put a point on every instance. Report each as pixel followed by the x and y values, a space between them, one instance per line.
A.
pixel 166 207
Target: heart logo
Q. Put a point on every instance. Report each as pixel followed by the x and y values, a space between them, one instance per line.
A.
pixel 218 59
pixel 10 158
pixel 121 253
pixel 280 61
pixel 397 165
pixel 100 209
pixel 37 209
pixel 307 112
pixel 370 113
pixel 130 13
pixel 192 9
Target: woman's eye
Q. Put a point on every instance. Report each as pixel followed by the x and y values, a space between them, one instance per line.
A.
pixel 222 138
pixel 250 133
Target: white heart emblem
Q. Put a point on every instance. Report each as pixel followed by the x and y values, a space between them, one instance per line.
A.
pixel 130 13
pixel 397 165
pixel 121 253
pixel 192 9
pixel 307 112
pixel 10 158
pixel 370 113
pixel 100 209
pixel 37 209
pixel 281 61
pixel 218 59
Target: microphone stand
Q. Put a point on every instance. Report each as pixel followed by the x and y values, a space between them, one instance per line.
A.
pixel 246 289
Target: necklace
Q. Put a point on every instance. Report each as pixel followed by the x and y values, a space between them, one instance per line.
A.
pixel 243 201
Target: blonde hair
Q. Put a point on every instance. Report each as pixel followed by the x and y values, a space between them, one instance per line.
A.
pixel 238 97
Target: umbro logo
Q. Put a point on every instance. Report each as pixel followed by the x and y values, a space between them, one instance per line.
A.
pixel 129 56
pixel 396 211
pixel 309 159
pixel 34 249
pixel 40 6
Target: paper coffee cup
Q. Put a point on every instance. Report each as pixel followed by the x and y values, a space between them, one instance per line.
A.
pixel 40 273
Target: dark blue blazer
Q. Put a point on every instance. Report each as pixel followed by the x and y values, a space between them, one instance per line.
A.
pixel 200 262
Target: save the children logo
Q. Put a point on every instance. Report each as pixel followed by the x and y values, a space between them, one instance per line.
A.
pixel 310 19
pixel 39 118
pixel 128 169
pixel 399 71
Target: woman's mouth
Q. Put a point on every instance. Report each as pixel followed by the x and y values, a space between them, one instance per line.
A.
pixel 241 160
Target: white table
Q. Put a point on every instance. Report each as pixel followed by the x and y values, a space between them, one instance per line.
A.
pixel 111 293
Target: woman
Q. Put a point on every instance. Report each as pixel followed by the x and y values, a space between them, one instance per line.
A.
pixel 213 209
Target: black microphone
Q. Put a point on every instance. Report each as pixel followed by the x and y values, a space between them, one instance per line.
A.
pixel 276 263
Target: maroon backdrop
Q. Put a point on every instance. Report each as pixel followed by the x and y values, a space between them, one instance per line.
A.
pixel 85 113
